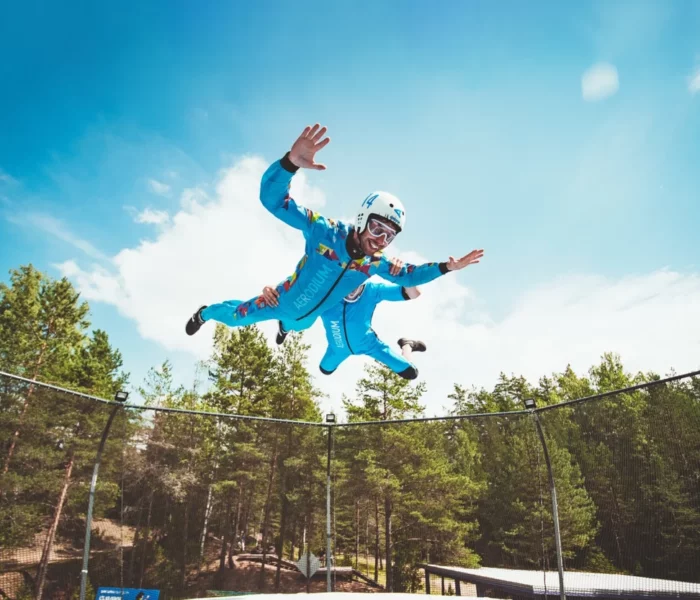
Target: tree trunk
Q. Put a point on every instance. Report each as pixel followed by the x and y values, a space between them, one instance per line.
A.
pixel 294 535
pixel 224 537
pixel 617 529
pixel 308 542
pixel 261 521
pixel 203 538
pixel 48 543
pixel 305 546
pixel 357 533
pixel 134 545
pixel 266 518
pixel 248 509
pixel 367 539
pixel 183 576
pixel 280 543
pixel 285 506
pixel 146 539
pixel 219 574
pixel 387 541
pixel 167 517
pixel 304 529
pixel 376 540
pixel 236 524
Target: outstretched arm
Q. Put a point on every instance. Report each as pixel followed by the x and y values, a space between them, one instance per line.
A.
pixel 412 275
pixel 394 293
pixel 274 188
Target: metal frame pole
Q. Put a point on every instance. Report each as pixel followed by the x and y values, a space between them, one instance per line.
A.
pixel 555 507
pixel 328 510
pixel 91 503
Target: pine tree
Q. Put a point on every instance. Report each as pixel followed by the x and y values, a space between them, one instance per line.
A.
pixel 51 438
pixel 514 505
pixel 405 470
pixel 294 397
pixel 42 326
pixel 95 368
pixel 241 367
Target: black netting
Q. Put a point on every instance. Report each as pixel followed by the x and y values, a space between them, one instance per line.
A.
pixel 631 463
pixel 196 504
pixel 50 444
pixel 206 500
pixel 460 493
pixel 185 503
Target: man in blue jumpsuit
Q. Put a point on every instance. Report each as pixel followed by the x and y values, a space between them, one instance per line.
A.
pixel 349 330
pixel 338 256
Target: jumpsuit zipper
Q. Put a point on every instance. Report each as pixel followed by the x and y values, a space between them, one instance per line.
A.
pixel 328 293
pixel 345 329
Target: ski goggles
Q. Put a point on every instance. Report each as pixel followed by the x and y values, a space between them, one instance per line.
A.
pixel 378 229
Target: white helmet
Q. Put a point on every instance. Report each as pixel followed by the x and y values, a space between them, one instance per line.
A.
pixel 383 205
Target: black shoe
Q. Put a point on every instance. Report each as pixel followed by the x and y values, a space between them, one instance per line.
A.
pixel 416 345
pixel 281 333
pixel 195 322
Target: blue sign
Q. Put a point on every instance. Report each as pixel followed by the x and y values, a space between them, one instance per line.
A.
pixel 116 593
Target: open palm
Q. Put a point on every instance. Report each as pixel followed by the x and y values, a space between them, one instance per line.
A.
pixel 470 259
pixel 307 145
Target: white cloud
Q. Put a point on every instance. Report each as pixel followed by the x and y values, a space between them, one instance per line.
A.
pixel 229 246
pixel 162 189
pixel 694 82
pixel 5 178
pixel 211 250
pixel 599 82
pixel 56 228
pixel 152 217
pixel 651 320
pixel 193 198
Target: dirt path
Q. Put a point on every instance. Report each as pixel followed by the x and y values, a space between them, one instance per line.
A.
pixel 245 577
pixel 108 532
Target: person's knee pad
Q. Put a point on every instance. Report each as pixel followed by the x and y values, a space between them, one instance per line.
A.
pixel 409 373
pixel 324 371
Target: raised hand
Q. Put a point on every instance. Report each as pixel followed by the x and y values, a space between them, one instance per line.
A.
pixel 470 259
pixel 307 145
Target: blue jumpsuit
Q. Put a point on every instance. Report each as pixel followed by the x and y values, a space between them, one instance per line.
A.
pixel 349 329
pixel 324 275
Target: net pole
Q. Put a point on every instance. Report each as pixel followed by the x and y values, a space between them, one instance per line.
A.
pixel 91 502
pixel 328 510
pixel 555 507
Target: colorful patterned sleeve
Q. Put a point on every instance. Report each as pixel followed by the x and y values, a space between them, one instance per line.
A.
pixel 275 197
pixel 410 275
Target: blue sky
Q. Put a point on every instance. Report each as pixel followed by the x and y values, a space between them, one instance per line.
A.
pixel 471 112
